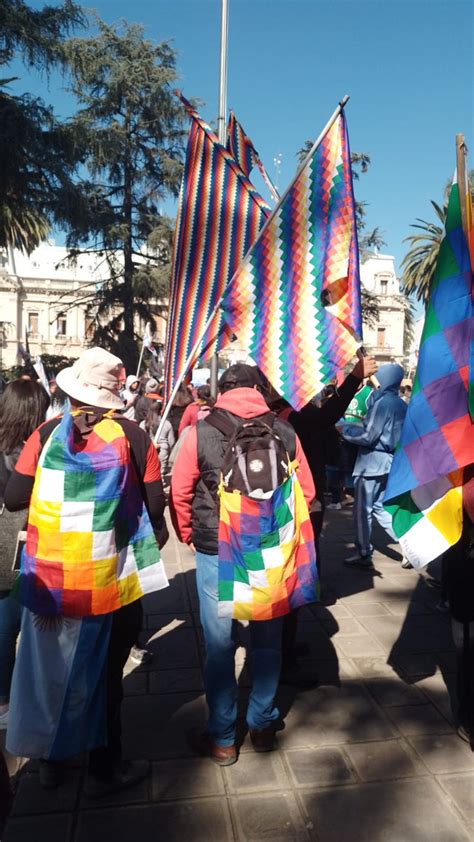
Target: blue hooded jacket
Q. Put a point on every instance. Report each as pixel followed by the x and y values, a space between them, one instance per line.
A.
pixel 380 433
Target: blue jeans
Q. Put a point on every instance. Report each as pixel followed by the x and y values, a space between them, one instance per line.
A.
pixel 368 496
pixel 10 619
pixel 219 672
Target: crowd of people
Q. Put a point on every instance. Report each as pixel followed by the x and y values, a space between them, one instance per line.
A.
pixel 84 484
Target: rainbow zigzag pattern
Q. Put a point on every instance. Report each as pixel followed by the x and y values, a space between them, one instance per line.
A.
pixel 295 301
pixel 240 146
pixel 267 559
pixel 219 216
pixel 90 544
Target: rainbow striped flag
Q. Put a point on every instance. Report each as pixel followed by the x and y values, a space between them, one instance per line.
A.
pixel 219 216
pixel 294 302
pixel 424 491
pixel 267 559
pixel 243 151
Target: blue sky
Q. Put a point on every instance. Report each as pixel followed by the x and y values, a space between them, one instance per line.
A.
pixel 407 67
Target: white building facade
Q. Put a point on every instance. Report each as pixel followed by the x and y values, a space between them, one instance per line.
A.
pixel 385 338
pixel 42 302
pixel 42 298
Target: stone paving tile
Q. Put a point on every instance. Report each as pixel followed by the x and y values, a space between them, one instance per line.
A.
pixel 319 767
pixel 275 817
pixel 412 720
pixel 444 753
pixel 193 821
pixel 331 715
pixel 137 794
pixel 54 828
pixel 347 626
pixel 355 645
pixel 392 692
pixel 158 621
pixel 372 667
pixel 171 600
pixel 369 609
pixel 156 727
pixel 391 811
pixel 191 778
pixel 256 772
pixel 384 760
pixel 441 691
pixel 32 798
pixel 460 789
pixel 175 681
pixel 178 648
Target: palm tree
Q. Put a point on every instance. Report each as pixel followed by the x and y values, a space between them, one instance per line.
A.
pixel 420 261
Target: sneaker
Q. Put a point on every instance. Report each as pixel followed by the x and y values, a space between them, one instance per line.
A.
pixel 139 655
pixel 364 562
pixel 406 564
pixel 4 720
pixel 334 506
pixel 262 739
pixel 202 743
pixel 50 774
pixel 129 773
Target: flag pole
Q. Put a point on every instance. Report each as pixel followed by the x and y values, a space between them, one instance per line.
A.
pixel 186 366
pixel 188 362
pixel 140 359
pixel 221 134
pixel 464 189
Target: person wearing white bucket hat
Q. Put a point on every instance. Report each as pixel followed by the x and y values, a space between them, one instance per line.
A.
pixel 97 477
pixel 95 379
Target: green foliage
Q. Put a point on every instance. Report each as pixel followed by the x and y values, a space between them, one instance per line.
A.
pixel 36 35
pixel 35 170
pixel 129 137
pixel 420 261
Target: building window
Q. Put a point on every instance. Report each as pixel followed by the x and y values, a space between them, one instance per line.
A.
pixel 33 322
pixel 61 324
pixel 381 337
pixel 384 286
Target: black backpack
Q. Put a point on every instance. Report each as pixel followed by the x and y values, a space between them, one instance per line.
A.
pixel 256 461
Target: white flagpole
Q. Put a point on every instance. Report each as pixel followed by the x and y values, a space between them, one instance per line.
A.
pixel 221 133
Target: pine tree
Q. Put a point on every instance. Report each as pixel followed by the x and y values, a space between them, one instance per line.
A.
pixel 129 136
pixel 36 161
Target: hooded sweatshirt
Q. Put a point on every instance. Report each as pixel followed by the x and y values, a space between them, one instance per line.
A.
pixel 244 403
pixel 382 428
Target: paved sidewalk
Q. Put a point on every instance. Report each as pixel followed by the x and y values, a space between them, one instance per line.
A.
pixel 369 752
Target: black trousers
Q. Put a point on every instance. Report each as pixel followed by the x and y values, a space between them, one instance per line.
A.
pixel 463 636
pixel 290 621
pixel 126 626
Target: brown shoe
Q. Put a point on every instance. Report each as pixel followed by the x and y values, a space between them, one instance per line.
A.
pixel 202 743
pixel 262 740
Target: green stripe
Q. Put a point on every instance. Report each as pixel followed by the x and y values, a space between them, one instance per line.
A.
pixel 405 514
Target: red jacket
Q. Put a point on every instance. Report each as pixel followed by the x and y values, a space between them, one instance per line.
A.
pixel 246 403
pixel 190 416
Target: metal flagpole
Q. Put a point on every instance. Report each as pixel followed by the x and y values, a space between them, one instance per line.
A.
pixel 221 133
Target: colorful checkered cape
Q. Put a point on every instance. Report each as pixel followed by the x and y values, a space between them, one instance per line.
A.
pixel 90 545
pixel 424 490
pixel 267 558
